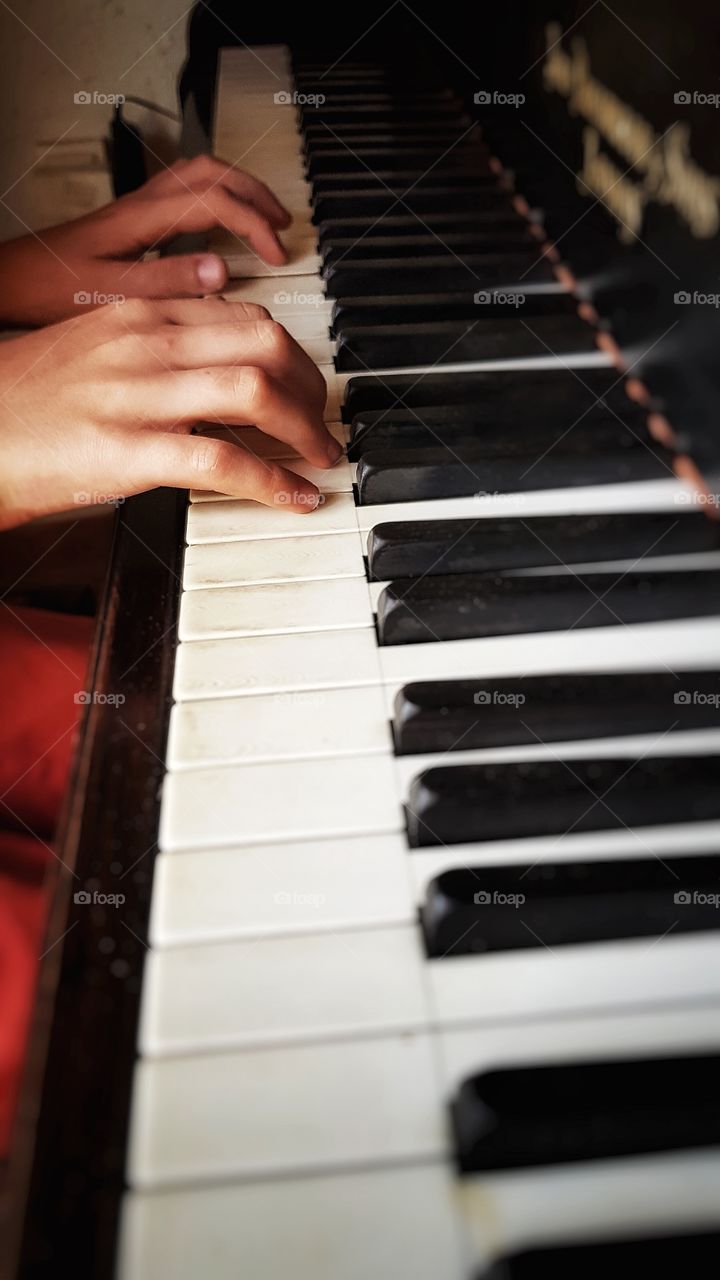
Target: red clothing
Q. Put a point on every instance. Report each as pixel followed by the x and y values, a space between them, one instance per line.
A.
pixel 43 662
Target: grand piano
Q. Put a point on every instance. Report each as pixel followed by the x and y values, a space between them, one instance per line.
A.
pixel 389 941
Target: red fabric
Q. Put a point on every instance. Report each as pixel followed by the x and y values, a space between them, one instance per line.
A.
pixel 43 660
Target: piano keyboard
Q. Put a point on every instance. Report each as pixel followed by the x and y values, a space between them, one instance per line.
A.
pixel 433 976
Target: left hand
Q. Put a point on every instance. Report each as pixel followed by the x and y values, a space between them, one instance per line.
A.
pixel 68 269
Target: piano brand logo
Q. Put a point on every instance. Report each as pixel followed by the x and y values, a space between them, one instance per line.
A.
pixel 696 899
pixel 496 698
pixel 497 899
pixel 483 98
pixel 287 99
pixel 85 98
pixel 656 168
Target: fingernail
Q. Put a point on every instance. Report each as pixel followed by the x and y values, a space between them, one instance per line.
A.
pixel 211 273
pixel 335 451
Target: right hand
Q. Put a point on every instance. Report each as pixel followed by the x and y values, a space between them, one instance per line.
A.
pixel 103 405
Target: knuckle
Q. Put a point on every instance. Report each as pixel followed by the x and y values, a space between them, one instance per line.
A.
pixel 140 311
pixel 251 386
pixel 273 337
pixel 210 459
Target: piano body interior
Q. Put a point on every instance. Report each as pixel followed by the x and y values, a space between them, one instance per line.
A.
pixel 305 1049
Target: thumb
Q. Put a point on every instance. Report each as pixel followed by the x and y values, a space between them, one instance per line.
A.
pixel 189 275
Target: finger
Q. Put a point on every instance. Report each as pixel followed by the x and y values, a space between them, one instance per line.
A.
pixel 239 397
pixel 151 222
pixel 191 275
pixel 207 311
pixel 213 172
pixel 264 344
pixel 195 462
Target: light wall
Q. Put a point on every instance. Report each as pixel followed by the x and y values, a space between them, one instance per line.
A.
pixel 51 50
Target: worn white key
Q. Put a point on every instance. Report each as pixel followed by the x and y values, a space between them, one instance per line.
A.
pixel 281 801
pixel 317 661
pixel 284 889
pixel 227 564
pixel 273 608
pixel 382 1223
pixel 582 979
pixel 303 296
pixel 227 995
pixel 279 726
pixel 276 664
pixel 277 1111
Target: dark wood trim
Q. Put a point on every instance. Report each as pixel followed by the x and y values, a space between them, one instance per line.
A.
pixel 90 980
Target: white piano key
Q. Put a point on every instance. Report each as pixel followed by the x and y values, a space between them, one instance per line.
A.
pixel 273 609
pixel 382 1223
pixel 276 664
pixel 276 890
pixel 303 297
pixel 337 479
pixel 236 520
pixel 280 726
pixel 227 564
pixel 227 995
pixel 306 1108
pixel 607 1034
pixel 281 801
pixel 578 980
pixel 671 840
pixel 326 660
pixel 304 257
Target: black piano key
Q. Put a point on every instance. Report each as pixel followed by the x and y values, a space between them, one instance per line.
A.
pixel 401 224
pixel 413 548
pixel 677 1255
pixel 440 135
pixel 362 161
pixel 535 427
pixel 373 205
pixel 423 246
pixel 336 120
pixel 398 183
pixel 473 910
pixel 495 397
pixel 462 803
pixel 457 607
pixel 367 313
pixel 400 475
pixel 552 1114
pixel 465 715
pixel 442 274
pixel 443 342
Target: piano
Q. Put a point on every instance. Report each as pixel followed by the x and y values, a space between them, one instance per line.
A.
pixel 404 847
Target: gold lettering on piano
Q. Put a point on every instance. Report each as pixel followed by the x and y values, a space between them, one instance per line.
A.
pixel 660 167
